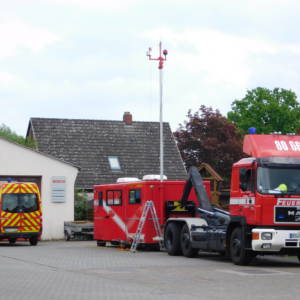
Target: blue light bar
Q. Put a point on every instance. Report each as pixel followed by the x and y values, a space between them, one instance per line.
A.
pixel 252 130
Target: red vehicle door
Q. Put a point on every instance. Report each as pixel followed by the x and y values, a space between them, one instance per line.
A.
pixel 134 207
pixel 137 197
pixel 109 216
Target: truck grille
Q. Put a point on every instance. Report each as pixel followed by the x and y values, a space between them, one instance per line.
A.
pixel 285 214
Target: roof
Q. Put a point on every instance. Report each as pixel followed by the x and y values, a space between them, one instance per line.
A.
pixel 88 143
pixel 270 145
pixel 40 153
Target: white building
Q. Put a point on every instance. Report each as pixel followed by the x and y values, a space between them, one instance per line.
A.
pixel 55 178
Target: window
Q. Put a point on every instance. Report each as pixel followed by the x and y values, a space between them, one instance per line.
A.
pixel 100 199
pixel 114 198
pixel 135 196
pixel 19 202
pixel 246 179
pixel 269 180
pixel 114 163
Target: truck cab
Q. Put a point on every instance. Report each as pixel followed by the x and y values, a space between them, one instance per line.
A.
pixel 265 193
pixel 264 210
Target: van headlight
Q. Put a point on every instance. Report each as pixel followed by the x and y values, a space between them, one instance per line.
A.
pixel 266 235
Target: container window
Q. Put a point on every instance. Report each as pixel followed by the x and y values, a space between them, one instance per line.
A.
pixel 100 199
pixel 114 198
pixel 135 196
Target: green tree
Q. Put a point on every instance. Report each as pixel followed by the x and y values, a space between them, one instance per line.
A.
pixel 208 137
pixel 267 110
pixel 8 134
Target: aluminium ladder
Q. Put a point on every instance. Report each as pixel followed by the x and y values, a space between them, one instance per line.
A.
pixel 149 206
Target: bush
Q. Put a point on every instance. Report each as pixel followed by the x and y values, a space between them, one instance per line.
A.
pixel 83 209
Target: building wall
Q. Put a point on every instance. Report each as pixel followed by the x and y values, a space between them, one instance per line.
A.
pixel 20 161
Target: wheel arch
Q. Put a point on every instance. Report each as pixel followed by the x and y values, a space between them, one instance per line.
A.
pixel 236 221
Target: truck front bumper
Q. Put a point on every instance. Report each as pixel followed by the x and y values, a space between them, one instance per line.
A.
pixel 271 240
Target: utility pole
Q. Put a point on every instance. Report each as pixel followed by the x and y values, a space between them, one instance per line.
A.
pixel 160 60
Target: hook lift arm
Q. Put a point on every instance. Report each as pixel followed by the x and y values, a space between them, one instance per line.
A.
pixel 205 207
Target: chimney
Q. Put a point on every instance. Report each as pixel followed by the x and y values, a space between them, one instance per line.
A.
pixel 127 118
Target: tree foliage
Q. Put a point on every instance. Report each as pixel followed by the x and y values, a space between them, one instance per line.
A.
pixel 267 110
pixel 208 137
pixel 8 134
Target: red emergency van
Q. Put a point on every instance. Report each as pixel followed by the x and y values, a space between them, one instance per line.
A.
pixel 118 208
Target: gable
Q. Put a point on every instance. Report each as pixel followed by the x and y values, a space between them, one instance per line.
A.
pixel 15 157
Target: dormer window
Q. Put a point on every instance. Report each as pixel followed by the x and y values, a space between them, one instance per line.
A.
pixel 114 163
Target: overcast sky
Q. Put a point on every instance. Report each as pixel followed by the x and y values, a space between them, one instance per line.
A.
pixel 87 58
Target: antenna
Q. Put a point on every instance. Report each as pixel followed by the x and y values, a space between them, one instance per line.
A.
pixel 160 60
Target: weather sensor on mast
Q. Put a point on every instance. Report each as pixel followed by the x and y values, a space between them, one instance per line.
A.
pixel 161 58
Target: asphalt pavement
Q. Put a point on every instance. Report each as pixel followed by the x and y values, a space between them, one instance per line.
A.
pixel 81 270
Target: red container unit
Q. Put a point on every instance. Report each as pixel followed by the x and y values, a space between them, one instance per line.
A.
pixel 118 209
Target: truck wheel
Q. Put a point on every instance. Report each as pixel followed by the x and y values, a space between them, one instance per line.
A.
pixel 172 239
pixel 33 241
pixel 67 236
pixel 185 242
pixel 101 243
pixel 12 241
pixel 239 255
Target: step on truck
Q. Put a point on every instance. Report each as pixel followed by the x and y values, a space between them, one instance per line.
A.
pixel 20 212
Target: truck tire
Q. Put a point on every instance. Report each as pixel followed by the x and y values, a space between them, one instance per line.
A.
pixel 101 243
pixel 172 239
pixel 67 236
pixel 239 255
pixel 12 241
pixel 33 241
pixel 185 242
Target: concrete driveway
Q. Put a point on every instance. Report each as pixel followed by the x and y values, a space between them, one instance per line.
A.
pixel 80 270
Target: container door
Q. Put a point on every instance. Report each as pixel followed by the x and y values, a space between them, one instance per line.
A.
pixel 98 215
pixel 134 207
pixel 114 216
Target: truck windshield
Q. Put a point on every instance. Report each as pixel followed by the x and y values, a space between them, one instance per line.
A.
pixel 278 180
pixel 19 202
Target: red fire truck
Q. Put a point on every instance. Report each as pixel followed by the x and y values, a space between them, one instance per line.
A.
pixel 264 211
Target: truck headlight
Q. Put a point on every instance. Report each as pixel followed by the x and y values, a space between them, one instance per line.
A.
pixel 266 235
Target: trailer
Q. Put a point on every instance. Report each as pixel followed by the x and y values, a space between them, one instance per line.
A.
pixel 78 230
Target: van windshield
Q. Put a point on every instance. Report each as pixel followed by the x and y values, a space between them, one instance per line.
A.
pixel 19 202
pixel 278 180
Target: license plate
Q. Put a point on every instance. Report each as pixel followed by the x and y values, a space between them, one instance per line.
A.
pixel 295 235
pixel 10 229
